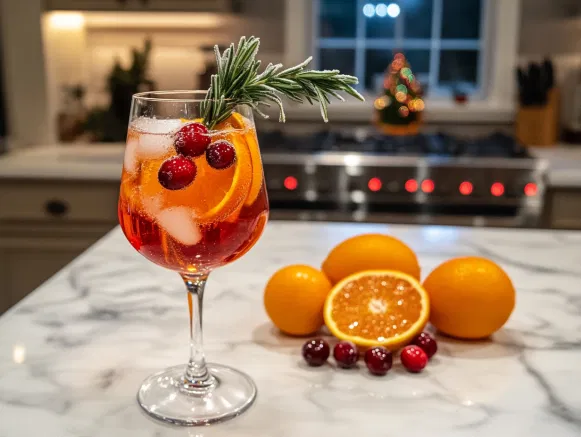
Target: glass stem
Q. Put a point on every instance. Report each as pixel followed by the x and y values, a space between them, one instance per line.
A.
pixel 197 379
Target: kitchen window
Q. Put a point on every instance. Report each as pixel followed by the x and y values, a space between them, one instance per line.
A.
pixel 442 39
pixel 465 45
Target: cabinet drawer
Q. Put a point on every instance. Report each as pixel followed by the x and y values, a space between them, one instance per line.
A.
pixel 62 201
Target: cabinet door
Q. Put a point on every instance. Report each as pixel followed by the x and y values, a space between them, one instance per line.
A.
pixel 26 269
pixel 563 208
pixel 31 253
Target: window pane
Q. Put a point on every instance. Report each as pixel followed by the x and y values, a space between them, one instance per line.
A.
pixel 417 17
pixel 337 18
pixel 340 59
pixel 458 66
pixel 379 25
pixel 377 61
pixel 461 19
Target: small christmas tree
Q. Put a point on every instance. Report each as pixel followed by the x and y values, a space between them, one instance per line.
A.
pixel 398 109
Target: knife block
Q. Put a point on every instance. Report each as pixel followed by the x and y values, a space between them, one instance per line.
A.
pixel 539 125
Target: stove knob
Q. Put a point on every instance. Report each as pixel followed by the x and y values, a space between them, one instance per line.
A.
pixel 393 186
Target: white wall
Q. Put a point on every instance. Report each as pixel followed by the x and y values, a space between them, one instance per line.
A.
pixel 24 72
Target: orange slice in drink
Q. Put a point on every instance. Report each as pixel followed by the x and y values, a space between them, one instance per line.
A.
pixel 214 195
pixel 239 122
pixel 377 308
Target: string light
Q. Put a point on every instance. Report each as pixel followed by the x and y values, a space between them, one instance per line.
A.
pixel 401 88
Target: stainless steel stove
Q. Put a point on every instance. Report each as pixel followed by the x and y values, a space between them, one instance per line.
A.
pixel 439 179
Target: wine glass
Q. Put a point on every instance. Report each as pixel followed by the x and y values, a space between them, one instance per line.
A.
pixel 191 200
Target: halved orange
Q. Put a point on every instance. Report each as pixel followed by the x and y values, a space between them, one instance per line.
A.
pixel 377 308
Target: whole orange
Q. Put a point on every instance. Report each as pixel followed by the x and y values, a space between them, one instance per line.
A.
pixel 470 297
pixel 370 252
pixel 294 298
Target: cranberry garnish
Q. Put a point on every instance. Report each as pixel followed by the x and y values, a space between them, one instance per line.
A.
pixel 220 155
pixel 378 360
pixel 346 354
pixel 176 173
pixel 316 352
pixel 427 343
pixel 413 358
pixel 192 140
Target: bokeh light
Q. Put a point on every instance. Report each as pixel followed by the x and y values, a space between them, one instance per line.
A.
pixel 404 111
pixel 466 188
pixel 381 10
pixel 369 10
pixel 393 10
pixel 497 189
pixel 401 97
pixel 374 184
pixel 382 102
pixel 401 88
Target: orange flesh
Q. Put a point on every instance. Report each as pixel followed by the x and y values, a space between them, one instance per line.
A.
pixel 376 307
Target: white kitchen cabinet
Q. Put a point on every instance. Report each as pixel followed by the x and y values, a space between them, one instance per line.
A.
pixel 44 225
pixel 143 5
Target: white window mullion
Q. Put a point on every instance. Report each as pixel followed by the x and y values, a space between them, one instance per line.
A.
pixel 399 29
pixel 360 44
pixel 437 13
pixel 337 43
pixel 485 43
pixel 315 29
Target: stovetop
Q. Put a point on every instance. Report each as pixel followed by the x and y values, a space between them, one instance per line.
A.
pixel 496 145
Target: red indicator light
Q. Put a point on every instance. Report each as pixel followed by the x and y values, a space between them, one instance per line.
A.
pixel 497 189
pixel 531 189
pixel 291 183
pixel 411 186
pixel 466 188
pixel 428 186
pixel 374 184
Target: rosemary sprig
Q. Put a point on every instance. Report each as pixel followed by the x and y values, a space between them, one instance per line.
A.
pixel 238 82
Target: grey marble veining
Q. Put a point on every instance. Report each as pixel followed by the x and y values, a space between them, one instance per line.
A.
pixel 73 354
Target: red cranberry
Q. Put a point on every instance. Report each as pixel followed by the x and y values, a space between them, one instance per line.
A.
pixel 427 343
pixel 176 173
pixel 192 140
pixel 346 354
pixel 316 352
pixel 413 358
pixel 220 155
pixel 378 360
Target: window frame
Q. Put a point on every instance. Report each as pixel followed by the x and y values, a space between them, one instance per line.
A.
pixel 360 43
pixel 495 101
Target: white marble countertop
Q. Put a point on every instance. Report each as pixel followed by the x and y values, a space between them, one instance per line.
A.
pixel 564 164
pixel 73 353
pixel 99 162
pixel 102 162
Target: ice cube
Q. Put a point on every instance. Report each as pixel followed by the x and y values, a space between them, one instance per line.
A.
pixel 179 223
pixel 155 136
pixel 156 125
pixel 152 205
pixel 154 145
pixel 130 160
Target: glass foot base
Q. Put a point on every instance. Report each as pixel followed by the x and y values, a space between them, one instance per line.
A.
pixel 162 398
